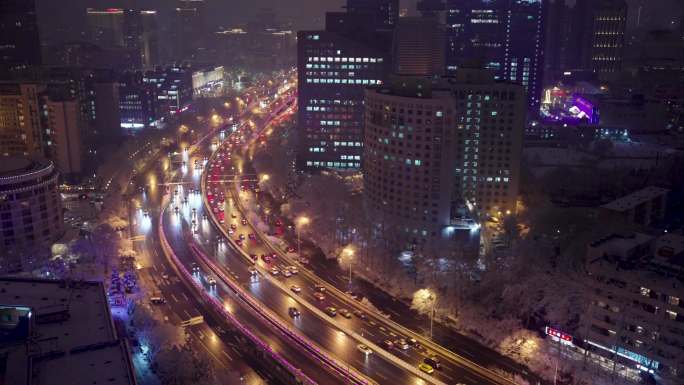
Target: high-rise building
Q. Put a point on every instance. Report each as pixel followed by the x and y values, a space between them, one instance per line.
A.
pixel 556 41
pixel 31 213
pixel 131 32
pixel 20 126
pixel 438 153
pixel 506 35
pixel 19 41
pixel 418 46
pixel 63 120
pixel 188 30
pixel 136 103
pixel 384 12
pixel 598 30
pixel 46 120
pixel 334 66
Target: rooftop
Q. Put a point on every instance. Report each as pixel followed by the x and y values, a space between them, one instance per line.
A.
pixel 619 244
pixel 70 330
pixel 636 198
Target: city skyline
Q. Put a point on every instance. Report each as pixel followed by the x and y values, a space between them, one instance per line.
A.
pixel 204 192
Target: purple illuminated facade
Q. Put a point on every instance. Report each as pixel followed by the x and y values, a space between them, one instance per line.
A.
pixel 585 110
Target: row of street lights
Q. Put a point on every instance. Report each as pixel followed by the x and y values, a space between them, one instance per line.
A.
pixel 425 296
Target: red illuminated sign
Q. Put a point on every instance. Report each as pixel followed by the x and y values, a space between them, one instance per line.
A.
pixel 558 334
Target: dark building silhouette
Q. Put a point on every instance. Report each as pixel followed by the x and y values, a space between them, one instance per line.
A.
pixel 188 30
pixel 19 41
pixel 385 13
pixel 507 36
pixel 130 32
pixel 598 35
pixel 418 46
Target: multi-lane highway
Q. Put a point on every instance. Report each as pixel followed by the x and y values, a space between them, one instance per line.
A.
pixel 327 334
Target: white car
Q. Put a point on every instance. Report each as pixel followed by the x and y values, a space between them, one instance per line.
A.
pixel 295 288
pixel 275 271
pixel 287 273
pixel 364 349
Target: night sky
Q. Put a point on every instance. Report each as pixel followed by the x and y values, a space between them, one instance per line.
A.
pixel 57 18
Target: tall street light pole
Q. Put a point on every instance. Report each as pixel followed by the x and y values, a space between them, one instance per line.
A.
pixel 301 221
pixel 349 253
pixel 433 297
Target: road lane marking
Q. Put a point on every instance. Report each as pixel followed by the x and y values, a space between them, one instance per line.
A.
pixel 174 297
pixel 364 331
pixel 186 313
pixel 185 296
pixel 213 355
pixel 227 355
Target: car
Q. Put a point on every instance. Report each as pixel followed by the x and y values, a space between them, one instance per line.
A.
pixel 433 361
pixel 401 344
pixel 252 236
pixel 426 368
pixel 244 222
pixel 290 249
pixel 293 269
pixel 157 300
pixel 233 226
pixel 252 270
pixel 253 257
pixel 286 273
pixel 385 314
pixel 195 268
pixel 303 261
pixel 345 313
pixel 413 342
pixel 295 288
pixel 211 281
pixel 238 242
pixel 319 288
pixel 275 271
pixel 319 296
pixel 360 314
pixel 364 349
pixel 233 216
pixel 266 258
pixel 274 255
pixel 331 311
pixel 242 237
pixel 388 344
pixel 293 312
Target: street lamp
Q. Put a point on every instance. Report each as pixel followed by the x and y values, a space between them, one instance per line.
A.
pixel 421 300
pixel 299 222
pixel 433 300
pixel 348 252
